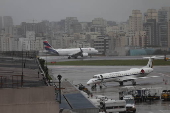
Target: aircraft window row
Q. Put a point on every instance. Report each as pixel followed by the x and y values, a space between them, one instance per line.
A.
pixel 96 77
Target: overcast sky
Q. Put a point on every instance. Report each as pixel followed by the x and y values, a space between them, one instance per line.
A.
pixel 84 10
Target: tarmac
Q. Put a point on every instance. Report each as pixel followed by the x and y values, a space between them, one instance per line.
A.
pixel 81 74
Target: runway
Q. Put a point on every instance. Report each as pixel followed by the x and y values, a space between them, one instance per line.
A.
pixel 65 58
pixel 81 74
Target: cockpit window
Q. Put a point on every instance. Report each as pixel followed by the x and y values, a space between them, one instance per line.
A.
pixel 94 76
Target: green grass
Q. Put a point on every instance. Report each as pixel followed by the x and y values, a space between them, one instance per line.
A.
pixel 110 62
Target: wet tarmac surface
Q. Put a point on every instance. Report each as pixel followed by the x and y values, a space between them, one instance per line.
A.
pixel 64 58
pixel 81 74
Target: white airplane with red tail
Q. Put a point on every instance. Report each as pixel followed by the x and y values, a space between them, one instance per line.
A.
pixel 124 76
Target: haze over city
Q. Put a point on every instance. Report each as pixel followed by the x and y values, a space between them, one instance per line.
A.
pixel 84 10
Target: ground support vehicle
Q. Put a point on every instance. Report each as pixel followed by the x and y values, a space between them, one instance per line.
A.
pixel 109 105
pixel 140 95
pixel 165 95
pixel 130 103
pixel 144 94
pixel 154 93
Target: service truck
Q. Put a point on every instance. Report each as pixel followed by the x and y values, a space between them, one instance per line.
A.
pixel 130 103
pixel 108 105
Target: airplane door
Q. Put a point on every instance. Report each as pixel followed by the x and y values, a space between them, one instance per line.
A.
pixel 101 76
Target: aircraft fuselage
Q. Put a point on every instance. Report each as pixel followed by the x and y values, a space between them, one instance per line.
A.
pixel 121 76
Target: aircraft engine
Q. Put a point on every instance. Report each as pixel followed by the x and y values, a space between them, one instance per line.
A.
pixel 84 54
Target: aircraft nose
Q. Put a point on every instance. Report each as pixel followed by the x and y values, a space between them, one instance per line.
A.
pixel 89 82
pixel 152 69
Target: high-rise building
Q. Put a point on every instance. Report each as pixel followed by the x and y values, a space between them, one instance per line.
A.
pixel 135 21
pixel 69 21
pixel 162 27
pixel 99 22
pixel 169 33
pixel 1 23
pixel 150 27
pixel 168 20
pixel 151 14
pixel 38 28
pixel 162 15
pixel 140 38
pixel 99 25
pixel 168 11
pixel 8 21
pixel 101 43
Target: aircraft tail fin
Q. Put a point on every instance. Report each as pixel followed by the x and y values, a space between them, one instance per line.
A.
pixel 150 62
pixel 51 49
pixel 47 44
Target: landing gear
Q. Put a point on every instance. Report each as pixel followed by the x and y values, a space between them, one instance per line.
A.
pixel 69 57
pixel 133 82
pixel 100 87
pixel 94 86
pixel 121 83
pixel 75 57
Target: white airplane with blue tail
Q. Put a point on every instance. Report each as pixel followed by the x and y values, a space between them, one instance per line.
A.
pixel 71 52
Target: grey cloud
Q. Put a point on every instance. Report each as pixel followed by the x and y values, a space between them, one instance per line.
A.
pixel 84 10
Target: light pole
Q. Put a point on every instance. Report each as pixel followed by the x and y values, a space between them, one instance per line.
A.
pixel 59 78
pixel 22 67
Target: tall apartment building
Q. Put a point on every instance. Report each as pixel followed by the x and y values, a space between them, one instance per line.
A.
pixel 140 39
pixel 58 26
pixel 38 28
pixel 101 43
pixel 169 33
pixel 151 14
pixel 150 27
pixel 8 21
pixel 1 23
pixel 135 21
pixel 162 27
pixel 76 28
pixel 85 26
pixel 99 22
pixel 117 43
pixel 114 29
pixel 99 29
pixel 15 44
pixel 5 42
pixel 168 20
pixel 69 21
pixel 111 23
pixel 99 25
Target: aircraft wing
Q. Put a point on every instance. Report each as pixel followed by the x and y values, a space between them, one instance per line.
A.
pixel 75 54
pixel 148 77
pixel 135 78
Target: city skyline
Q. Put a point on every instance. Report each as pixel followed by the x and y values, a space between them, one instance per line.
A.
pixel 85 11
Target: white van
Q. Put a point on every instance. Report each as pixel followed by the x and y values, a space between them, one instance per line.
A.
pixel 130 103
